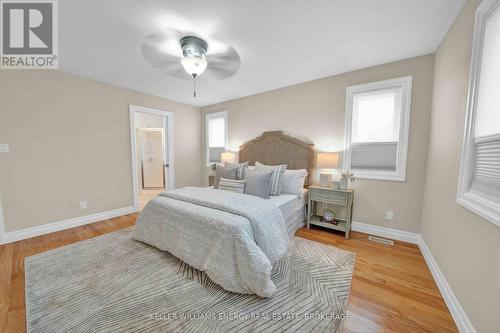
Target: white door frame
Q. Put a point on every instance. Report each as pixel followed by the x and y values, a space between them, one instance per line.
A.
pixel 169 146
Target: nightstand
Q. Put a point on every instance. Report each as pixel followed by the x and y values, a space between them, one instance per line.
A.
pixel 211 179
pixel 330 196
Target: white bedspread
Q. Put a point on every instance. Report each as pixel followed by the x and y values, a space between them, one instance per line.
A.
pixel 234 238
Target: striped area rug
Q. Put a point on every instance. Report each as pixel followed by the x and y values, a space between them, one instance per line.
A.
pixel 113 283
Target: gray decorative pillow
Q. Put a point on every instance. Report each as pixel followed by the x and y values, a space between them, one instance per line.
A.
pixel 258 183
pixel 240 174
pixel 231 185
pixel 224 172
pixel 278 171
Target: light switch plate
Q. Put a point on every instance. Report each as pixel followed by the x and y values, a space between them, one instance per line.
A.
pixel 4 148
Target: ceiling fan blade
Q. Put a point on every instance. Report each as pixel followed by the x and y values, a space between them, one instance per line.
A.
pixel 154 54
pixel 177 72
pixel 224 64
pixel 217 73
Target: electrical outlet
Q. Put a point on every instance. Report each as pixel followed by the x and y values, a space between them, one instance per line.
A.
pixel 389 215
pixel 4 148
pixel 83 204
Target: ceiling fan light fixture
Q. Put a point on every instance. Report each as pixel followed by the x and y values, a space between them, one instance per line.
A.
pixel 194 52
pixel 194 66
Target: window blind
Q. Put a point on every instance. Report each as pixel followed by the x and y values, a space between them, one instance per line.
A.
pixel 486 171
pixel 374 155
pixel 486 165
pixel 216 132
pixel 216 137
pixel 375 129
pixel 488 99
pixel 215 154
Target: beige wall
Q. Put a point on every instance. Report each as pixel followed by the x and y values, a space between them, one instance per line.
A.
pixel 466 247
pixel 70 141
pixel 314 111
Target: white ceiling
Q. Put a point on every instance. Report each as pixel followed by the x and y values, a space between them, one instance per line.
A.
pixel 280 43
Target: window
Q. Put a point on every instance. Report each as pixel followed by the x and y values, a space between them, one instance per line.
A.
pixel 216 136
pixel 377 122
pixel 479 180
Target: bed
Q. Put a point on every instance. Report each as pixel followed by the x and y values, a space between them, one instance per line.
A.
pixel 293 209
pixel 234 238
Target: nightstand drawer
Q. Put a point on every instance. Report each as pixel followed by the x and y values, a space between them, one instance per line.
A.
pixel 337 198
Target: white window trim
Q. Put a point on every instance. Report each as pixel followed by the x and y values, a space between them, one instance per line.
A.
pixel 226 138
pixel 472 201
pixel 405 83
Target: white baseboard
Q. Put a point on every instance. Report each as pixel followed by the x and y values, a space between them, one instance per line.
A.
pixel 461 319
pixel 463 323
pixel 65 224
pixel 400 235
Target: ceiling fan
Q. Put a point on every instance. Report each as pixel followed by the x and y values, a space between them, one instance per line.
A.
pixel 187 56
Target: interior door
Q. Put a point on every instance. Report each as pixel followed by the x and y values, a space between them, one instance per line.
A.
pixel 153 165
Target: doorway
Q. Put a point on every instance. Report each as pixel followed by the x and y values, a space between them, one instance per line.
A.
pixel 152 154
pixel 152 158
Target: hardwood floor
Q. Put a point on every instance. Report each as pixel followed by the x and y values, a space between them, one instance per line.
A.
pixel 146 195
pixel 392 288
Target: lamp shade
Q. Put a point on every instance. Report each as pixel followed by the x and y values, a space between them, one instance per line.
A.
pixel 327 160
pixel 228 156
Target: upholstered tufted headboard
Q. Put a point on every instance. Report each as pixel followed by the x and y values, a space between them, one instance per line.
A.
pixel 275 147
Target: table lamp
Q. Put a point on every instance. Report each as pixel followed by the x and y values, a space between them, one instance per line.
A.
pixel 228 156
pixel 326 161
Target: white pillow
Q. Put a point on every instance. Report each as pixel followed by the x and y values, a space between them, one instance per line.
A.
pixel 293 181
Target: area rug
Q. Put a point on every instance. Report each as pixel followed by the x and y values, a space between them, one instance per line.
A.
pixel 113 283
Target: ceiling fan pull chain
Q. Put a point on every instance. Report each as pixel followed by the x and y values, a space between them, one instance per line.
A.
pixel 194 85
